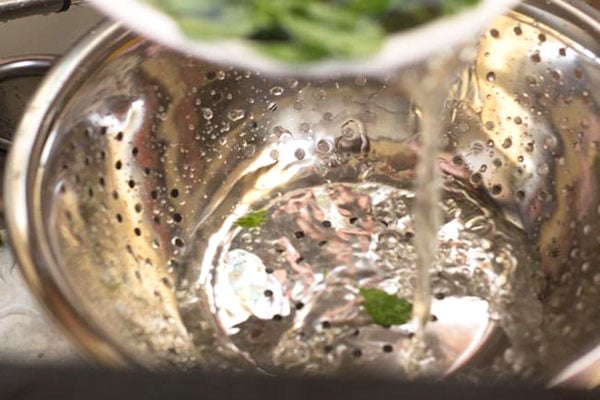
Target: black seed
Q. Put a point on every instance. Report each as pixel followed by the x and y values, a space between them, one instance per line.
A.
pixel 409 235
pixel 118 164
pixel 268 293
pixel 299 260
pixel 299 234
pixel 353 220
pixel 357 353
pixel 299 305
pixel 138 207
pixel 326 224
pixel 322 243
pixel 279 250
pixel 135 151
pixel 277 317
pixel 154 194
pixel 440 296
pixel 177 217
pixel 178 242
pixel 131 183
pixel 137 231
pixel 119 136
pixel 119 218
pixel 174 193
pixel 434 318
pixel 326 324
pixel 388 348
pixel 269 270
pixel 147 171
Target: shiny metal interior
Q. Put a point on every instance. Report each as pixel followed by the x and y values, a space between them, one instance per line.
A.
pixel 128 146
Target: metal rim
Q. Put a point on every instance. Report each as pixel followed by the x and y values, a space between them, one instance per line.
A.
pixel 26 233
pixel 17 67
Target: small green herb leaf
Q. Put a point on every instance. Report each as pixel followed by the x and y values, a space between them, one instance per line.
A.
pixel 252 220
pixel 385 309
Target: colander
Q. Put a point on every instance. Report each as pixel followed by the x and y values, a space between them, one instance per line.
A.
pixel 175 213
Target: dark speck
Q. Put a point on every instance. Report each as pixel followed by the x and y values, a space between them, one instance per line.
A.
pixel 326 224
pixel 433 318
pixel 440 296
pixel 357 353
pixel 328 348
pixel 277 317
pixel 268 293
pixel 299 305
pixel 353 220
pixel 388 348
pixel 326 324
pixel 269 270
pixel 299 234
pixel 299 260
pixel 322 243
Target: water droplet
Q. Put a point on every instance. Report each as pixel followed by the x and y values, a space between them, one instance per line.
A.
pixel 236 115
pixel 324 146
pixel 299 154
pixel 207 113
pixel 491 77
pixel 489 125
pixel 543 169
pixel 276 90
pixel 507 143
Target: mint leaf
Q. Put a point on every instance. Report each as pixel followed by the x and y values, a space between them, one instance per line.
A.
pixel 385 309
pixel 252 220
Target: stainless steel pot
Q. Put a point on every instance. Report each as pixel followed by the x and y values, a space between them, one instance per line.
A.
pixel 133 164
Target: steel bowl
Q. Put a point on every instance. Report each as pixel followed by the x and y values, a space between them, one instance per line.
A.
pixel 123 165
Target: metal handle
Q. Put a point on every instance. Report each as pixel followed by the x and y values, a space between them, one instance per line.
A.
pixel 12 9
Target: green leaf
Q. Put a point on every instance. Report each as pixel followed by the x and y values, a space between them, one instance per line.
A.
pixel 338 41
pixel 230 22
pixel 290 52
pixel 386 309
pixel 252 220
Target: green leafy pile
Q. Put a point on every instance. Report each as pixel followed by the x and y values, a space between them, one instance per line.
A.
pixel 385 309
pixel 306 30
